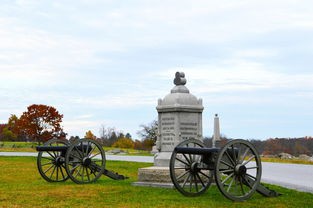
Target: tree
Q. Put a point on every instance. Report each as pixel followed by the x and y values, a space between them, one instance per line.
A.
pixel 108 135
pixel 128 135
pixel 2 126
pixel 40 123
pixel 124 143
pixel 90 135
pixel 148 134
pixel 149 131
pixel 8 135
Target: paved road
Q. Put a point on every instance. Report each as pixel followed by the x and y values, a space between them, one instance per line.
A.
pixel 148 159
pixel 294 176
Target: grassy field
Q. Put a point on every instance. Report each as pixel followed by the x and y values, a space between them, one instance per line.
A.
pixel 293 161
pixel 22 186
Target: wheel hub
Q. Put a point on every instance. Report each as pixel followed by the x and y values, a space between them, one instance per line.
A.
pixel 240 170
pixel 58 161
pixel 86 161
pixel 194 167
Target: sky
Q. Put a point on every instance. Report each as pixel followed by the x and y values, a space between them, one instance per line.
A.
pixel 106 63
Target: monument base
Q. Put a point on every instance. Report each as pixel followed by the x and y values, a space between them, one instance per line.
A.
pixel 162 159
pixel 154 177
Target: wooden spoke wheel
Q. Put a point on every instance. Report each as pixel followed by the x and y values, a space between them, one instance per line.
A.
pixel 189 174
pixel 238 170
pixel 85 161
pixel 51 164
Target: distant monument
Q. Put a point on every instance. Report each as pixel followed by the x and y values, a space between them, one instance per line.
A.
pixel 179 118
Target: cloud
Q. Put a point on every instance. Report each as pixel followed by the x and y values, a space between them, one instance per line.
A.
pixel 239 75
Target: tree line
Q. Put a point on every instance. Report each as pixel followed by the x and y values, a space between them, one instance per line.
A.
pixel 275 146
pixel 41 123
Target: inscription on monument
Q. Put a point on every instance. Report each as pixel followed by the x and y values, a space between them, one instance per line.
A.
pixel 188 130
pixel 168 130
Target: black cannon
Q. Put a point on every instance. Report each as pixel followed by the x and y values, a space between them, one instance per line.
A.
pixel 235 168
pixel 83 161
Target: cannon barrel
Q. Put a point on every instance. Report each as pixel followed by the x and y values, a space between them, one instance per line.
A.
pixel 196 150
pixel 52 148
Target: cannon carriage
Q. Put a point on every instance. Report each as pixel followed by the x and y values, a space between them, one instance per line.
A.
pixel 235 168
pixel 83 161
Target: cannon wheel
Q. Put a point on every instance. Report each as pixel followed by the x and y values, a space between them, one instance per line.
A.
pixel 238 170
pixel 50 164
pixel 187 171
pixel 85 161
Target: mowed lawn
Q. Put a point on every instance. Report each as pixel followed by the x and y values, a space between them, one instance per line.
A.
pixel 22 186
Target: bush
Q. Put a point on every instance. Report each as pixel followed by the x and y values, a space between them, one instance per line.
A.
pixel 124 143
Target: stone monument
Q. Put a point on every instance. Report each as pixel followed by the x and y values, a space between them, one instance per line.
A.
pixel 179 118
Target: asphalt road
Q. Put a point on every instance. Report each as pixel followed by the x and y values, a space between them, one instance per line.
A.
pixel 293 176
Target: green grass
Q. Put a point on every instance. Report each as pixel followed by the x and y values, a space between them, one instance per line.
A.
pixel 18 146
pixel 22 186
pixel 293 161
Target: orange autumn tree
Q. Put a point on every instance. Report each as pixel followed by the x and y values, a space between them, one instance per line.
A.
pixel 90 135
pixel 40 123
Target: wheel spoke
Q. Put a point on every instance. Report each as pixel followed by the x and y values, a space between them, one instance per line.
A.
pixel 94 147
pixel 226 163
pixel 49 169
pixel 242 190
pixel 53 156
pixel 230 184
pixel 247 174
pixel 77 171
pixel 254 167
pixel 197 174
pixel 74 155
pixel 185 181
pixel 79 152
pixel 53 171
pixel 87 148
pixel 244 155
pixel 196 183
pixel 181 175
pixel 228 171
pixel 182 161
pixel 234 153
pixel 229 157
pixel 62 172
pixel 188 160
pixel 229 176
pixel 87 174
pixel 250 158
pixel 57 173
pixel 239 153
pixel 48 163
pixel 204 175
pixel 95 155
pixel 48 158
pixel 75 167
pixel 247 182
pixel 190 183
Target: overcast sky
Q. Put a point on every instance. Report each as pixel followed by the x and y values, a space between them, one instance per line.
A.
pixel 108 62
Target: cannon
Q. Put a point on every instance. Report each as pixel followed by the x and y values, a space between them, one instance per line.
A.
pixel 83 161
pixel 235 168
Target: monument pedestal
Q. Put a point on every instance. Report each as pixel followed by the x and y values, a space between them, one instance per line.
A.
pixel 154 177
pixel 162 159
